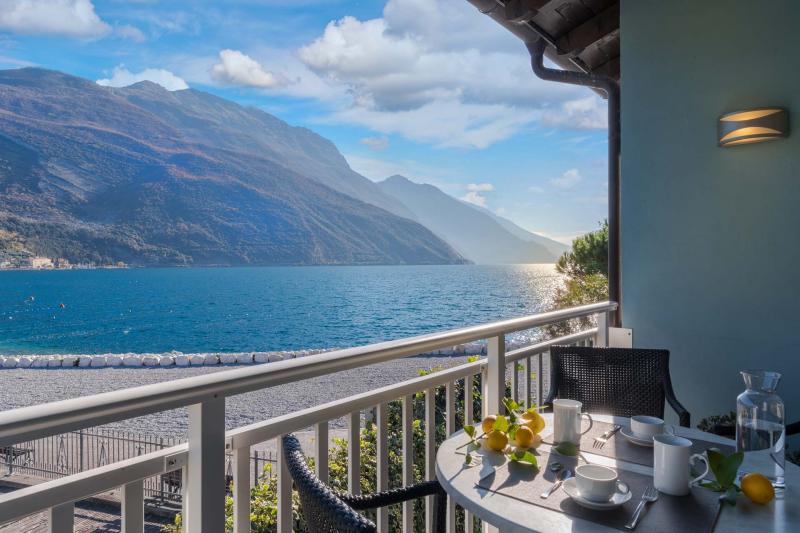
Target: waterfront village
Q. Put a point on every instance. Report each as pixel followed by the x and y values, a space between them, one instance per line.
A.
pixel 38 262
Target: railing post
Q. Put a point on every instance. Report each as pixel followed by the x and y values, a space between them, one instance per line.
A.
pixel 132 498
pixel 284 492
pixel 382 463
pixel 321 445
pixel 408 460
pixel 354 453
pixel 205 494
pixel 601 339
pixel 430 452
pixel 61 518
pixel 241 489
pixel 496 374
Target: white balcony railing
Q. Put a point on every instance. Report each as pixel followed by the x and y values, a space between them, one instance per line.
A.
pixel 202 458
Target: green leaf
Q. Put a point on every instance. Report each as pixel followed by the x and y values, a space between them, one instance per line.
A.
pixel 473 446
pixel 468 459
pixel 711 485
pixel 470 430
pixel 511 404
pixel 726 474
pixel 715 458
pixel 567 448
pixel 524 456
pixel 730 495
pixel 512 432
pixel 501 424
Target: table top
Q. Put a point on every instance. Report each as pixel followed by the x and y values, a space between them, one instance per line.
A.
pixel 512 515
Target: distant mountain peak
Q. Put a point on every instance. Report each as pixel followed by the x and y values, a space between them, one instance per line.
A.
pixel 151 177
pixel 474 233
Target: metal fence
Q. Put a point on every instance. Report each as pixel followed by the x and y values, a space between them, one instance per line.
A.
pixel 77 451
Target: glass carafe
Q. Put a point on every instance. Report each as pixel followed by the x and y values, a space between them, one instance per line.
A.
pixel 760 430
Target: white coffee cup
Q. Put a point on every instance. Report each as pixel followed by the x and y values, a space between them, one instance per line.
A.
pixel 567 421
pixel 647 427
pixel 598 483
pixel 671 460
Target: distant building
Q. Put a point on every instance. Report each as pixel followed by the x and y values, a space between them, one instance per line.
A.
pixel 41 262
pixel 62 263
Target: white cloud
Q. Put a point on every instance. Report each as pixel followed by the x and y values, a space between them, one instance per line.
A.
pixel 409 73
pixel 69 18
pixel 590 112
pixel 375 143
pixel 237 68
pixel 445 123
pixel 126 31
pixel 567 180
pixel 474 197
pixel 122 77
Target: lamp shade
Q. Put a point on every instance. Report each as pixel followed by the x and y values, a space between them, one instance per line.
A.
pixel 753 125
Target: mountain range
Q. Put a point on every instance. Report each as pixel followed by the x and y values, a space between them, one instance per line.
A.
pixel 152 177
pixel 476 233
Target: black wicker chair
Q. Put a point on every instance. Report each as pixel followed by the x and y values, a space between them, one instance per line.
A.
pixel 327 511
pixel 615 381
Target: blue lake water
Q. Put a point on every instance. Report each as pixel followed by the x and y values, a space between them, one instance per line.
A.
pixel 256 309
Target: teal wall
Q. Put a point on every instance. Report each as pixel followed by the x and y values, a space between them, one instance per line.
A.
pixel 710 236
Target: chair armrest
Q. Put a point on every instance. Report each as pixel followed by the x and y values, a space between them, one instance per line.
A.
pixel 391 497
pixel 684 416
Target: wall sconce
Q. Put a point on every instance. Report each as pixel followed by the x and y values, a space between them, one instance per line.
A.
pixel 752 126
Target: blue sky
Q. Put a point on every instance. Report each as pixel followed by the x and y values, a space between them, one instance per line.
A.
pixel 430 89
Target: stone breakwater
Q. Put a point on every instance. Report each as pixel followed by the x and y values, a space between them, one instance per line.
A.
pixel 179 359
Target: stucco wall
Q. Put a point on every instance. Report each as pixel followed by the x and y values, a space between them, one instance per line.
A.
pixel 711 236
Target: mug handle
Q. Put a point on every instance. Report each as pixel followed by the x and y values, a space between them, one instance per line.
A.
pixel 704 474
pixel 622 487
pixel 591 423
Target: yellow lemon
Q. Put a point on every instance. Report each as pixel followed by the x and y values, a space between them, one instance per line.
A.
pixel 496 440
pixel 533 420
pixel 524 437
pixel 488 423
pixel 758 488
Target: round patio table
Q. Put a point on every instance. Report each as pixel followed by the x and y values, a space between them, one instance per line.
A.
pixel 512 515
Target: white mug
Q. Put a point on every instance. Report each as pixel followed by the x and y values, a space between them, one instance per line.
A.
pixel 598 483
pixel 567 421
pixel 671 460
pixel 647 427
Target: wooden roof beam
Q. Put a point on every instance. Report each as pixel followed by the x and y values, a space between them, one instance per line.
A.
pixel 520 11
pixel 591 31
pixel 610 68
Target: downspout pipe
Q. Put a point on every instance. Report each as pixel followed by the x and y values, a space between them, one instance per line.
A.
pixel 611 88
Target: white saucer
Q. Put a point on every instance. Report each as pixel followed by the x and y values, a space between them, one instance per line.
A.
pixel 639 441
pixel 570 486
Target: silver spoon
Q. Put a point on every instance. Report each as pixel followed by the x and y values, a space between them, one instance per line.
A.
pixel 562 475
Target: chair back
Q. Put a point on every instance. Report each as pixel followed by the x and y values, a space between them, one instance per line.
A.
pixel 614 381
pixel 322 509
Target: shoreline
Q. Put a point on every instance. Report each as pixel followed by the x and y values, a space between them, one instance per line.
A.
pixel 184 360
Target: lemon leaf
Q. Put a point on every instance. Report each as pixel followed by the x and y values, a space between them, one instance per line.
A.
pixel 524 456
pixel 469 430
pixel 567 448
pixel 501 424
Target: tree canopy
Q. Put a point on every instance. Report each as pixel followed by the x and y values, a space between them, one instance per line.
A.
pixel 589 255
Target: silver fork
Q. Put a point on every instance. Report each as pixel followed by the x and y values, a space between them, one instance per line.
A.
pixel 600 441
pixel 650 495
